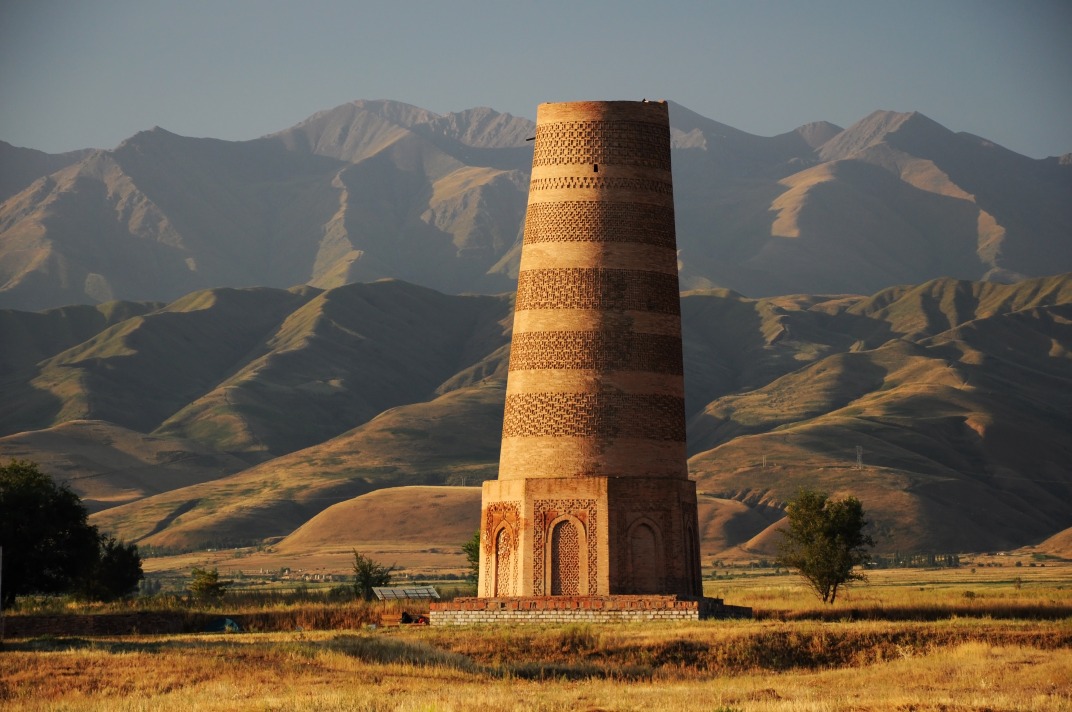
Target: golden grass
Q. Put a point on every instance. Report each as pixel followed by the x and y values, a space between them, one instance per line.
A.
pixel 980 587
pixel 798 656
pixel 413 669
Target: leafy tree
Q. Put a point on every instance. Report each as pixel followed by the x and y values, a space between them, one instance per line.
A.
pixel 205 585
pixel 49 547
pixel 116 572
pixel 471 549
pixel 825 541
pixel 367 574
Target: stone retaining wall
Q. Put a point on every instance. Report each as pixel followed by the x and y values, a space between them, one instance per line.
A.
pixel 580 609
pixel 162 623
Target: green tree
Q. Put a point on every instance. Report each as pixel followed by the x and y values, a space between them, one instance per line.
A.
pixel 49 547
pixel 116 572
pixel 471 549
pixel 825 541
pixel 367 574
pixel 205 585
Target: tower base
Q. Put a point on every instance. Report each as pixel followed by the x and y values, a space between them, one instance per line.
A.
pixel 610 536
pixel 581 609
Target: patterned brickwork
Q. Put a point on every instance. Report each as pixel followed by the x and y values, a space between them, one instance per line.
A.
pixel 636 185
pixel 598 288
pixel 506 556
pixel 632 143
pixel 597 221
pixel 605 415
pixel 594 422
pixel 565 560
pixel 547 510
pixel 496 515
pixel 596 350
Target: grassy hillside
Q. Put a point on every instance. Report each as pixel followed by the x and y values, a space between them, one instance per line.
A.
pixel 345 356
pixel 451 440
pixel 956 393
pixel 108 465
pixel 958 430
pixel 435 516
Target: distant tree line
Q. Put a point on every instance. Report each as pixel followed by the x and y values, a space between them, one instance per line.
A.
pixel 915 561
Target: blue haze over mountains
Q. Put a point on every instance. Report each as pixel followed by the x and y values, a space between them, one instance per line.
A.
pixel 325 312
pixel 376 189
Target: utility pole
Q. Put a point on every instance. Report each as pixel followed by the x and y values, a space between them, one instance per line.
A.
pixel 859 457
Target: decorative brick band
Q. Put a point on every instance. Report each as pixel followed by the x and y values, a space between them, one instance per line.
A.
pixel 597 221
pixel 597 288
pixel 607 415
pixel 596 350
pixel 648 185
pixel 633 143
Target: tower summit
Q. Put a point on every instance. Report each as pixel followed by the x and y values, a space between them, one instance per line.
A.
pixel 593 508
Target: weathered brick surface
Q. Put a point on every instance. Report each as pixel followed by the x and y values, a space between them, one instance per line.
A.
pixel 579 609
pixel 593 497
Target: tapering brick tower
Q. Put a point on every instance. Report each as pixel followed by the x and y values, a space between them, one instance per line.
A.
pixel 593 495
pixel 593 508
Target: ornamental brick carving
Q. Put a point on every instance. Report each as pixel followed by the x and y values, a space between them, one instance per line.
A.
pixel 598 288
pixel 546 511
pixel 565 559
pixel 594 420
pixel 637 185
pixel 596 221
pixel 506 556
pixel 596 350
pixel 498 549
pixel 606 415
pixel 495 515
pixel 631 143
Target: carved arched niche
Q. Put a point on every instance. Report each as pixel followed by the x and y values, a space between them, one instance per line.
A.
pixel 499 543
pixel 567 557
pixel 646 558
pixel 505 562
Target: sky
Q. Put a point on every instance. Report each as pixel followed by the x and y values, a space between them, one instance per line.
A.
pixel 90 73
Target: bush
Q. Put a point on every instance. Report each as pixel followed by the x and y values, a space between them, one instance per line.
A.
pixel 369 574
pixel 115 574
pixel 205 585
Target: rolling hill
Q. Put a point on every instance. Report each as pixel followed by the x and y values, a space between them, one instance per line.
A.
pixel 230 416
pixel 381 189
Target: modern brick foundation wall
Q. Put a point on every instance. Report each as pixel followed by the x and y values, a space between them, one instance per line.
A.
pixel 580 609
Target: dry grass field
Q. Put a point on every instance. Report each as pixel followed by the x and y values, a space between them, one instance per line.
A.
pixel 708 666
pixel 910 639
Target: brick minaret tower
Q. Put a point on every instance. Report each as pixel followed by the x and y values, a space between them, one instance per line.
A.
pixel 593 496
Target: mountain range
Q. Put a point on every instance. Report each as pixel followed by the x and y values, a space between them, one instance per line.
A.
pixel 220 343
pixel 232 416
pixel 380 189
